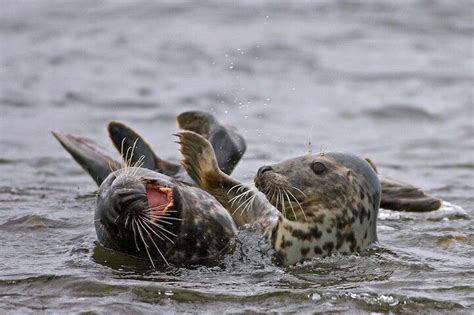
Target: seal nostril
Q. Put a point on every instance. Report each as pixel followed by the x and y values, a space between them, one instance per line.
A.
pixel 264 169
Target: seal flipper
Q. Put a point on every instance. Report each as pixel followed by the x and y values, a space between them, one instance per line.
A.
pixel 405 197
pixel 200 162
pixel 88 154
pixel 401 196
pixel 127 140
pixel 229 146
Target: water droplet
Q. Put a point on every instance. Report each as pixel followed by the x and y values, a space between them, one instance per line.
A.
pixel 315 297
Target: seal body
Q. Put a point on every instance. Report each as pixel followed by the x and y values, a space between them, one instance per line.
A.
pixel 314 205
pixel 145 213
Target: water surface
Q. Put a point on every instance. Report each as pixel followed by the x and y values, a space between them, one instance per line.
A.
pixel 390 80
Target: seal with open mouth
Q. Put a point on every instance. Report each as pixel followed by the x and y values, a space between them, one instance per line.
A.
pixel 140 212
pixel 150 207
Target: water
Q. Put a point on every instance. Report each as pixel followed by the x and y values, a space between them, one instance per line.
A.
pixel 391 80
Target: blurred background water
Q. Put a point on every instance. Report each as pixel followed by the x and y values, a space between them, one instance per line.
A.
pixel 392 80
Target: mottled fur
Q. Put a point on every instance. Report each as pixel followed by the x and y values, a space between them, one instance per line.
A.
pixel 320 214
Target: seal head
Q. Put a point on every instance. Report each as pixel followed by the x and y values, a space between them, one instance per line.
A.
pixel 145 213
pixel 330 199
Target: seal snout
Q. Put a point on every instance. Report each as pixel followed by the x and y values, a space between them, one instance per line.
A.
pixel 263 169
pixel 130 199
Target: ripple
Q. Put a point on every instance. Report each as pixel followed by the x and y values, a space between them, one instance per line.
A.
pixel 395 112
pixel 34 222
pixel 131 104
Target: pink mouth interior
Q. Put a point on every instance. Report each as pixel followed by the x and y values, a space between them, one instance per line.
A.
pixel 159 199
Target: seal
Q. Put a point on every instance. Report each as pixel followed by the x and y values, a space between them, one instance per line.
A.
pixel 150 207
pixel 313 205
pixel 145 213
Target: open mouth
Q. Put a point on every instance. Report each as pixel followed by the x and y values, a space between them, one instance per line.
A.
pixel 160 199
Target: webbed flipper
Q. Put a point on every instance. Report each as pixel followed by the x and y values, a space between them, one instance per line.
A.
pixel 89 155
pixel 243 203
pixel 400 196
pixel 133 148
pixel 405 197
pixel 229 146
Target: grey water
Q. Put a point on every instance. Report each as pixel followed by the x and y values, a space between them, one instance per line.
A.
pixel 391 80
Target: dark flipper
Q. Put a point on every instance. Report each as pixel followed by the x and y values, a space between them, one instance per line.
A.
pixel 405 197
pixel 228 145
pixel 123 138
pixel 401 196
pixel 88 154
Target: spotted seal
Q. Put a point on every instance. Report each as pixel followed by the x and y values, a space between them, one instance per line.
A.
pixel 326 203
pixel 162 216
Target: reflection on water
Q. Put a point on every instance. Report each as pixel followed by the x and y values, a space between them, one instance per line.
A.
pixel 390 80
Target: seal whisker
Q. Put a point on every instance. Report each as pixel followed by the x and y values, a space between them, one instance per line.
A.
pixel 250 203
pixel 163 219
pixel 126 219
pixel 242 204
pixel 121 149
pixel 159 219
pixel 246 204
pixel 278 203
pixel 291 205
pixel 137 165
pixel 272 198
pixel 129 162
pixel 134 223
pixel 299 205
pixel 161 227
pixel 298 190
pixel 159 251
pixel 238 186
pixel 144 221
pixel 282 201
pixel 113 168
pixel 145 244
pixel 239 197
pixel 160 209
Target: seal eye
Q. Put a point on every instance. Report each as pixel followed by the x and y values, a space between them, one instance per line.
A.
pixel 318 168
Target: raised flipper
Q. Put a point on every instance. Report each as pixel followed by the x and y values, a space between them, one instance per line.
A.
pixel 89 155
pixel 401 196
pixel 227 143
pixel 405 197
pixel 135 150
pixel 229 146
pixel 244 204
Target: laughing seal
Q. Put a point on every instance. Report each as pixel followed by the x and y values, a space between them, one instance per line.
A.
pixel 150 207
pixel 145 213
pixel 313 205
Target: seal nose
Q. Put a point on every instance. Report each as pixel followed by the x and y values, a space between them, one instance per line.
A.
pixel 264 169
